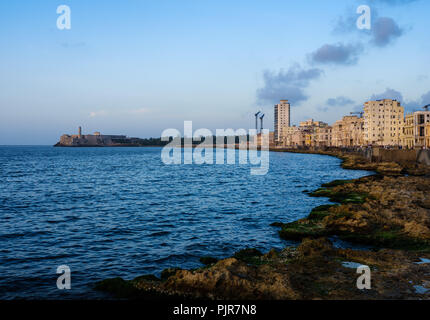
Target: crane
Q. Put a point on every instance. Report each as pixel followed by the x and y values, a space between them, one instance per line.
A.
pixel 256 120
pixel 261 125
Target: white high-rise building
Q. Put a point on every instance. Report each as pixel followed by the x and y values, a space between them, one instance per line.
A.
pixel 282 118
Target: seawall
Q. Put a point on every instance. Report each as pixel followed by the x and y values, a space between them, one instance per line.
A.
pixel 400 156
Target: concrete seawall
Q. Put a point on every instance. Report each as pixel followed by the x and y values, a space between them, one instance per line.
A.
pixel 423 157
pixel 401 156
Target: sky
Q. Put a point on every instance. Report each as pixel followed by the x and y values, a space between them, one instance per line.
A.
pixel 140 67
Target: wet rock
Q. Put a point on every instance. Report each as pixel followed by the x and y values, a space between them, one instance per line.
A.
pixel 248 255
pixel 208 260
pixel 166 273
pixel 315 270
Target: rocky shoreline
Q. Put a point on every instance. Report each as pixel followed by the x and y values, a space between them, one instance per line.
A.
pixel 389 211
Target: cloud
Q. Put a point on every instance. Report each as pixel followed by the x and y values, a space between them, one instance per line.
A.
pixel 339 101
pixel 425 98
pixel 412 106
pixel 388 94
pixel 290 84
pixel 337 54
pixel 347 23
pixel 384 31
pixel 409 106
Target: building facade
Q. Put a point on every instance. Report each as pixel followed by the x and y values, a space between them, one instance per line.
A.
pixel 428 135
pixel 348 132
pixel 323 136
pixel 408 140
pixel 421 119
pixel 282 118
pixel 383 122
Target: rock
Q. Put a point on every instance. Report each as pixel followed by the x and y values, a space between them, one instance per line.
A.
pixel 248 254
pixel 312 271
pixel 166 273
pixel 208 260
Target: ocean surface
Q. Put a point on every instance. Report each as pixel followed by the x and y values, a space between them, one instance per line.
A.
pixel 108 212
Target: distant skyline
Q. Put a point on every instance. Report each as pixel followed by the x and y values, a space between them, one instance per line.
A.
pixel 139 67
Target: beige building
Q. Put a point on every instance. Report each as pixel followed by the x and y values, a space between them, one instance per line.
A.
pixel 415 130
pixel 428 135
pixel 282 118
pixel 289 136
pixel 408 140
pixel 348 132
pixel 312 123
pixel 421 119
pixel 307 134
pixel 383 122
pixel 323 136
pixel 271 139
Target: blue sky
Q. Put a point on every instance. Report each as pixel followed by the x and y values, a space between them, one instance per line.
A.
pixel 139 67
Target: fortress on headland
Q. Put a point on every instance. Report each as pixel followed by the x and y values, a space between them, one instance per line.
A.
pixel 97 140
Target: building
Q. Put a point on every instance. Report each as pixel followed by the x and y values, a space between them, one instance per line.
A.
pixel 427 146
pixel 323 136
pixel 383 122
pixel 421 119
pixel 310 128
pixel 312 123
pixel 408 140
pixel 303 135
pixel 282 118
pixel 95 139
pixel 271 139
pixel 348 132
pixel 286 135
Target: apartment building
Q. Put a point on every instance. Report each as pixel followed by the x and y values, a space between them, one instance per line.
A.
pixel 383 122
pixel 323 136
pixel 408 140
pixel 348 132
pixel 290 136
pixel 282 118
pixel 421 119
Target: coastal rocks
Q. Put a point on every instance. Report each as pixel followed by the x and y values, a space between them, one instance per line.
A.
pixel 232 279
pixel 313 270
pixel 390 211
pixel 208 260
